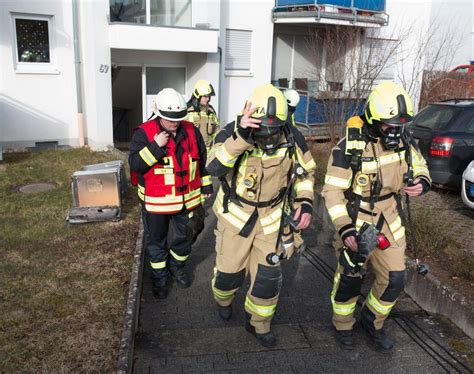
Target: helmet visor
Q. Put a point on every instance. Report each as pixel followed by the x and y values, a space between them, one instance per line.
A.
pixel 400 120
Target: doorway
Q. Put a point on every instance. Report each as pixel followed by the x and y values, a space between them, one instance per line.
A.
pixel 127 103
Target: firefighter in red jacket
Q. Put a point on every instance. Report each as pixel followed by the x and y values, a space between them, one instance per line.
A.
pixel 169 155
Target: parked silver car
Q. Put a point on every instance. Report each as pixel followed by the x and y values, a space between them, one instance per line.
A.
pixel 467 190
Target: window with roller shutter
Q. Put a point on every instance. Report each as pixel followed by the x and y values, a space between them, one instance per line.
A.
pixel 238 52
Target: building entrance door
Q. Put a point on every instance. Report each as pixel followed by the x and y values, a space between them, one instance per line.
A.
pixel 126 102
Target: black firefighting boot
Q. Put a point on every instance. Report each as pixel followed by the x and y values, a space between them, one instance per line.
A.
pixel 267 339
pixel 160 290
pixel 345 339
pixel 378 337
pixel 180 276
pixel 225 312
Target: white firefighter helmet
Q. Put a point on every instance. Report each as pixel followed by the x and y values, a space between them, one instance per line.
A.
pixel 292 97
pixel 170 104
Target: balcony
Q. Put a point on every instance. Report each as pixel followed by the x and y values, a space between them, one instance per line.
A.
pixel 158 25
pixel 363 13
pixel 174 13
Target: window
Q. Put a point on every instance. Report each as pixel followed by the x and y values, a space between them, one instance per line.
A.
pixel 158 78
pixel 435 116
pixel 238 52
pixel 33 43
pixel 380 58
pixel 470 126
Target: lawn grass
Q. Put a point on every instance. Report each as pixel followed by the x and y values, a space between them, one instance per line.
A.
pixel 320 152
pixel 62 286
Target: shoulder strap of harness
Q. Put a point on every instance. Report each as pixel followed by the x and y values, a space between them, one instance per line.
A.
pixel 230 189
pixel 355 142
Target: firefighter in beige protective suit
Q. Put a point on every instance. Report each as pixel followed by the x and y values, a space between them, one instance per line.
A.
pixel 201 112
pixel 367 171
pixel 259 160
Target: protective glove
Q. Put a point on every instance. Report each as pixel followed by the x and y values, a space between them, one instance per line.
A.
pixel 350 261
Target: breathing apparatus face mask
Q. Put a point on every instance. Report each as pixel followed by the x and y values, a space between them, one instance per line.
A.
pixel 390 137
pixel 270 131
pixel 267 138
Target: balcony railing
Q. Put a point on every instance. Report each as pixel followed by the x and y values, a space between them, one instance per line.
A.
pixel 176 13
pixel 327 11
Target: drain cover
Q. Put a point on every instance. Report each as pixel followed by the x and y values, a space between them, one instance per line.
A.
pixel 36 187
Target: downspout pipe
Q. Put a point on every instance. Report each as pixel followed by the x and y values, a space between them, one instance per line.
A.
pixel 219 50
pixel 77 65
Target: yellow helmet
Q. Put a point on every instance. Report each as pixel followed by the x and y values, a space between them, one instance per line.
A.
pixel 272 111
pixel 270 104
pixel 203 88
pixel 389 103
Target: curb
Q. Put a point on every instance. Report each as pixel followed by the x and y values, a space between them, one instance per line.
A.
pixel 130 321
pixel 427 291
pixel 437 298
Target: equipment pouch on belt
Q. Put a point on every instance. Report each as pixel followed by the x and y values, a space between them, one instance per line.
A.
pixel 196 222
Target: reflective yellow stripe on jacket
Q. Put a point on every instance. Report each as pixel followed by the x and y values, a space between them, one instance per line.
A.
pixel 224 157
pixel 271 222
pixel 236 216
pixel 147 156
pixel 141 192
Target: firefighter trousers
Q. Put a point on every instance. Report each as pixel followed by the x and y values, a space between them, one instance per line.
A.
pixel 236 257
pixel 160 255
pixel 389 268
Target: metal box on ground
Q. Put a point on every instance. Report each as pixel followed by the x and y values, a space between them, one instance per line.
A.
pixel 98 192
pixel 112 164
pixel 93 214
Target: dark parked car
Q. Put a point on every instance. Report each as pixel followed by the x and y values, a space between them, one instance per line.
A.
pixel 445 134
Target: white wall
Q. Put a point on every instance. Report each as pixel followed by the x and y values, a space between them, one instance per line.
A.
pixel 206 11
pixel 204 66
pixel 38 107
pixel 96 71
pixel 246 15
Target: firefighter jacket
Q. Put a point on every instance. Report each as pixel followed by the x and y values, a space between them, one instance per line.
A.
pixel 354 167
pixel 174 177
pixel 291 119
pixel 253 183
pixel 205 119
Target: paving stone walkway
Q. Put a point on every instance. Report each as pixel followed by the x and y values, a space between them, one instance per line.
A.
pixel 183 334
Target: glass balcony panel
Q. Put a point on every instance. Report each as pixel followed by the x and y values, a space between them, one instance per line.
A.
pixel 133 11
pixel 170 12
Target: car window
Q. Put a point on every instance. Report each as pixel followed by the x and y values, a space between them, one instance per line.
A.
pixel 435 116
pixel 470 127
